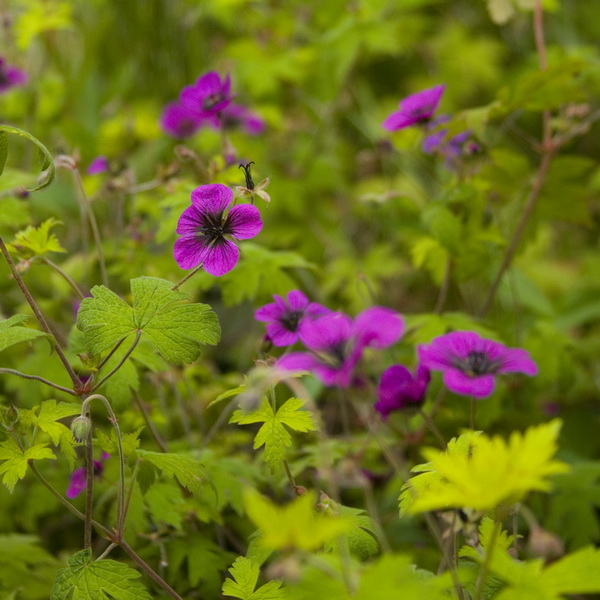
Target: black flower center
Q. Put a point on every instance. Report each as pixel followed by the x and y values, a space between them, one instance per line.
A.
pixel 476 364
pixel 3 78
pixel 214 227
pixel 212 100
pixel 291 319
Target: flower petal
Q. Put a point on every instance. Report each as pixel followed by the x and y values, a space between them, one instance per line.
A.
pixel 189 251
pixel 298 361
pixel 517 359
pixel 212 199
pixel 378 327
pixel 280 336
pixel 77 483
pixel 398 120
pixel 221 257
pixel 460 383
pixel 327 332
pixel 243 221
pixel 268 312
pixel 190 221
pixel 296 300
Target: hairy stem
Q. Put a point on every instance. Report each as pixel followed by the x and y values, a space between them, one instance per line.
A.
pixel 38 314
pixel 65 276
pixel 127 354
pixel 433 428
pixel 89 488
pixel 184 279
pixel 40 379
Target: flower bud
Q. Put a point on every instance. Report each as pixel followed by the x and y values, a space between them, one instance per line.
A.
pixel 544 544
pixel 81 427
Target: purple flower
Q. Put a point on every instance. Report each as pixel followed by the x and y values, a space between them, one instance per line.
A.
pixel 78 481
pixel 208 96
pixel 98 165
pixel 179 121
pixel 398 389
pixel 336 343
pixel 415 109
pixel 469 362
pixel 10 76
pixel 236 115
pixel 285 318
pixel 206 230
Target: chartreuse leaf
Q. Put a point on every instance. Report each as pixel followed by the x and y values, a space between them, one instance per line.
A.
pixel 576 573
pixel 129 441
pixel 361 540
pixel 11 333
pixel 99 580
pixel 491 472
pixel 176 330
pixel 47 421
pixel 296 525
pixel 37 241
pixel 273 435
pixel 245 575
pixel 188 471
pixel 15 460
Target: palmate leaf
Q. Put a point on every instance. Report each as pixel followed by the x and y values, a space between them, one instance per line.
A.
pixel 188 471
pixel 15 460
pixel 37 241
pixel 273 435
pixel 245 575
pixel 12 333
pixel 99 580
pixel 176 330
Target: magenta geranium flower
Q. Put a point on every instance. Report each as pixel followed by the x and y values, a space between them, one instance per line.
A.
pixel 98 165
pixel 179 121
pixel 399 389
pixel 10 76
pixel 470 362
pixel 208 96
pixel 236 115
pixel 336 343
pixel 415 109
pixel 285 317
pixel 78 481
pixel 207 230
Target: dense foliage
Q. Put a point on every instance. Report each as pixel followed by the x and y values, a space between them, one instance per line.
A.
pixel 299 300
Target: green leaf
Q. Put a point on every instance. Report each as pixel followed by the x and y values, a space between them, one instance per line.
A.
pixel 11 333
pixel 15 460
pixel 188 471
pixel 273 435
pixel 361 540
pixel 176 330
pixel 577 573
pixel 129 441
pixel 245 575
pixel 48 162
pixel 99 580
pixel 46 420
pixel 37 241
pixel 3 150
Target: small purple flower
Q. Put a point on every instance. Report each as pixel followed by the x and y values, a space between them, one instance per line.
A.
pixel 236 115
pixel 415 109
pixel 98 165
pixel 398 389
pixel 78 481
pixel 10 76
pixel 470 362
pixel 208 96
pixel 285 317
pixel 179 121
pixel 206 230
pixel 336 343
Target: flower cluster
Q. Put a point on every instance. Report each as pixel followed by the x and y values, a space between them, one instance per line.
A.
pixel 208 228
pixel 451 148
pixel 208 102
pixel 10 76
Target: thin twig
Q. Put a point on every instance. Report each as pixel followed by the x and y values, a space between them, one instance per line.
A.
pixel 38 314
pixel 65 276
pixel 127 354
pixel 151 427
pixel 40 379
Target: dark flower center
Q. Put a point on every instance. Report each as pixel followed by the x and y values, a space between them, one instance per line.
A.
pixel 214 227
pixel 291 319
pixel 3 78
pixel 476 364
pixel 212 100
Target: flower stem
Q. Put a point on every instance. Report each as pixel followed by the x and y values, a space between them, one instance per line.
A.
pixel 89 488
pixel 433 428
pixel 65 276
pixel 38 313
pixel 108 356
pixel 184 279
pixel 483 571
pixel 151 427
pixel 127 354
pixel 473 415
pixel 40 379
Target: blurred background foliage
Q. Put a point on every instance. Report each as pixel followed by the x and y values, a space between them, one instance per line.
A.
pixel 358 216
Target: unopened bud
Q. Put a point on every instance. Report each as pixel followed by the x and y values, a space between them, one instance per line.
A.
pixel 81 427
pixel 11 416
pixel 544 544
